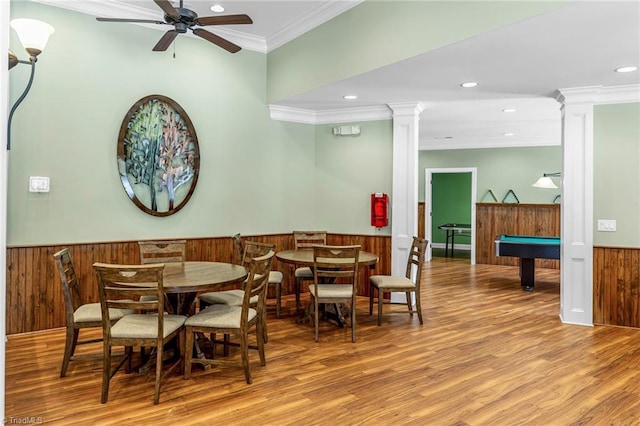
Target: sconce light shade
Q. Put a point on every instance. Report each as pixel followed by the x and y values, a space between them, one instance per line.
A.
pixel 544 182
pixel 33 34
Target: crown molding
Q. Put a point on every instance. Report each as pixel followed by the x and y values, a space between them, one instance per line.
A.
pixel 346 115
pixel 315 17
pixel 119 9
pixel 477 143
pixel 600 95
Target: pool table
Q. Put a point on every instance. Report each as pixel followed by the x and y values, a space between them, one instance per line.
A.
pixel 528 248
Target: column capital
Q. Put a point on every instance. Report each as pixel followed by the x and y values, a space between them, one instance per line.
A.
pixel 599 95
pixel 406 108
pixel 578 95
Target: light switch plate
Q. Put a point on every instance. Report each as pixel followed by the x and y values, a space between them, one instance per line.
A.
pixel 607 225
pixel 38 184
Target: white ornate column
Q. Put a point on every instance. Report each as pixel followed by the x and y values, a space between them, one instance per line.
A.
pixel 576 282
pixel 404 198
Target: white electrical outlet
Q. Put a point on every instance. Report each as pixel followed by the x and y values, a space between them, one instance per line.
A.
pixel 607 225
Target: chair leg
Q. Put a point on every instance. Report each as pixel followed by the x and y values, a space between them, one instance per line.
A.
pixel 419 309
pixel 409 305
pixel 244 349
pixel 298 285
pixel 181 345
pixel 128 353
pixel 225 345
pixel 316 319
pixel 278 298
pixel 69 348
pixel 371 299
pixel 353 321
pixel 380 300
pixel 188 352
pixel 106 373
pixel 261 342
pixel 265 334
pixel 156 393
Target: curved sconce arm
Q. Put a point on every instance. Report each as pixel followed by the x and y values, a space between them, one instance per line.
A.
pixel 20 99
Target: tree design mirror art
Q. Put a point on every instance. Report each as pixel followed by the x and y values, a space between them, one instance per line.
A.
pixel 158 155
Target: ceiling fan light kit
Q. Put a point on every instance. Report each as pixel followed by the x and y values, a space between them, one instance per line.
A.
pixel 184 19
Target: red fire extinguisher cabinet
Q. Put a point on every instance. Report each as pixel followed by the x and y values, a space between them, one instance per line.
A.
pixel 379 210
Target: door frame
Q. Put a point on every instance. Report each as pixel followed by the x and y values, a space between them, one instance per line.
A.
pixel 428 203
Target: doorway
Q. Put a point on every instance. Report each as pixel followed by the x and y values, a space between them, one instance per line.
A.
pixel 469 198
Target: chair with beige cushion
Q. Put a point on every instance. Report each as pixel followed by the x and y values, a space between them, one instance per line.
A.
pixel 305 240
pixel 234 320
pixel 275 277
pixel 78 315
pixel 408 284
pixel 123 287
pixel 235 297
pixel 335 276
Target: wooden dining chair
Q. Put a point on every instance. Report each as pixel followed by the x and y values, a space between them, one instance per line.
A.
pixel 408 284
pixel 78 315
pixel 235 297
pixel 122 287
pixel 234 320
pixel 335 276
pixel 305 240
pixel 275 277
pixel 162 251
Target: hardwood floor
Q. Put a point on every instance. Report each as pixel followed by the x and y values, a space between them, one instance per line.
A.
pixel 487 354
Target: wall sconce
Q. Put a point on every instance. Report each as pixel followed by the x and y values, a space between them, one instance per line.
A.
pixel 33 35
pixel 545 181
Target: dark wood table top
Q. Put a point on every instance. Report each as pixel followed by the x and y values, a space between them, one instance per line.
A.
pixel 189 277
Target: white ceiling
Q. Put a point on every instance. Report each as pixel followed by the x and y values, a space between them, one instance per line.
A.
pixel 519 66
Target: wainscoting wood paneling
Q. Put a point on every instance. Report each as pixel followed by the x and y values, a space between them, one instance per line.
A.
pixel 493 219
pixel 34 296
pixel 616 286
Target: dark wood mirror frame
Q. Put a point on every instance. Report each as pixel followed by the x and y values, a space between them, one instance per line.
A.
pixel 158 155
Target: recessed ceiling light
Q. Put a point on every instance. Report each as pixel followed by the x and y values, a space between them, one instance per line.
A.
pixel 626 69
pixel 508 134
pixel 350 97
pixel 469 84
pixel 217 8
pixel 509 110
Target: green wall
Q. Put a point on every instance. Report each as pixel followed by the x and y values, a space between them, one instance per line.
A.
pixel 257 175
pixel 378 33
pixel 616 174
pixel 451 196
pixel 348 170
pixel 500 169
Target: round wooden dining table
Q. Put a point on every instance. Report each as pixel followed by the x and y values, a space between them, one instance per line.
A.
pixel 304 257
pixel 184 280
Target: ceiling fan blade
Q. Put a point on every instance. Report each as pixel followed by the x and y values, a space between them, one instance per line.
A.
pixel 165 41
pixel 219 41
pixel 142 21
pixel 224 20
pixel 167 8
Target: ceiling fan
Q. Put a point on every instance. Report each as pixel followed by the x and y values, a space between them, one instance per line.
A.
pixel 184 19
